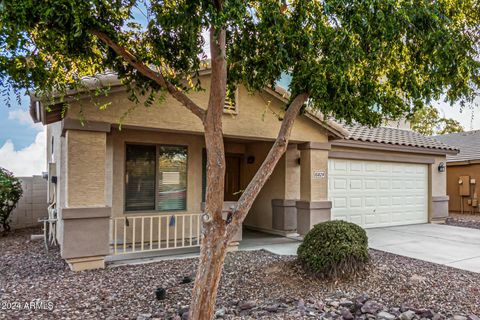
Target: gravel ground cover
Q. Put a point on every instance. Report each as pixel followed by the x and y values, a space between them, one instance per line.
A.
pixel 254 285
pixel 464 220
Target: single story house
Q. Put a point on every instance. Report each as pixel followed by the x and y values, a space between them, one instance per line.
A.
pixel 463 171
pixel 139 186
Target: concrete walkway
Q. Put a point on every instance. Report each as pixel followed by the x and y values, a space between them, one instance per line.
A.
pixel 448 245
pixel 452 246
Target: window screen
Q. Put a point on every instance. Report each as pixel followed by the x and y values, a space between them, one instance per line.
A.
pixel 140 178
pixel 172 178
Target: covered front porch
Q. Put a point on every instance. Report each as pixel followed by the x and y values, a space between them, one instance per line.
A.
pixel 155 185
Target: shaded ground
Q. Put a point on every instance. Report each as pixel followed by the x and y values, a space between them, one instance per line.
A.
pixel 28 273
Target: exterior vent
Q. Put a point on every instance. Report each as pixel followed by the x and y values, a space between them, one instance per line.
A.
pixel 230 106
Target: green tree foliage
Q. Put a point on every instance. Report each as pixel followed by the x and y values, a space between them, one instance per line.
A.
pixel 358 60
pixel 10 193
pixel 334 249
pixel 427 121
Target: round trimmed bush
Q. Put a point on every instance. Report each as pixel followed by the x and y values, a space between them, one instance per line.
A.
pixel 334 249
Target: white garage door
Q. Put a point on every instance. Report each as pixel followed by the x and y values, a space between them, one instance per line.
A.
pixel 378 194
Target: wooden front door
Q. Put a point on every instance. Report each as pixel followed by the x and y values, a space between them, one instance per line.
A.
pixel 232 178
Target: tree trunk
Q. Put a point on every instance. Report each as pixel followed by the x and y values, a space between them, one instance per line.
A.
pixel 214 246
pixel 212 256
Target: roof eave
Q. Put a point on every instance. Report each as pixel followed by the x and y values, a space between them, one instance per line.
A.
pixel 395 147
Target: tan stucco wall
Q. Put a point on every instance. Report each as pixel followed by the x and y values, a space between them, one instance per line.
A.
pixel 257 116
pixel 292 173
pixel 438 179
pixel 86 163
pixel 453 174
pixel 313 189
pixel 260 214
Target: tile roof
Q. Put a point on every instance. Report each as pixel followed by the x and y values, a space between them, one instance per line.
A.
pixel 467 142
pixel 395 136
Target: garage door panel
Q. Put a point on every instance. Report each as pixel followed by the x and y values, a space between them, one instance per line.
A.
pixel 355 184
pixel 374 194
pixel 340 184
pixel 355 202
pixel 356 167
pixel 371 202
pixel 370 184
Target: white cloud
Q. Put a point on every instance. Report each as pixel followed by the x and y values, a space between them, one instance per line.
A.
pixel 25 162
pixel 469 116
pixel 23 117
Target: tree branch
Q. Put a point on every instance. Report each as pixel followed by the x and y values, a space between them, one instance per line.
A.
pixel 264 172
pixel 149 73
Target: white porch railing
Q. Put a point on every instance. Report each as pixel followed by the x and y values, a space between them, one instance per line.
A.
pixel 134 234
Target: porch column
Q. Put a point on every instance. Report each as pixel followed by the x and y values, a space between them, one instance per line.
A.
pixel 313 206
pixel 86 215
pixel 284 212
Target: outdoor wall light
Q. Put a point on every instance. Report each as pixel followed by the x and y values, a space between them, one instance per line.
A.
pixel 251 159
pixel 441 167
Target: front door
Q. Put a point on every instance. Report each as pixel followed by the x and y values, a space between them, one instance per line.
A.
pixel 232 178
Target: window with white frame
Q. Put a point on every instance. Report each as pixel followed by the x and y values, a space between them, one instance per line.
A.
pixel 155 178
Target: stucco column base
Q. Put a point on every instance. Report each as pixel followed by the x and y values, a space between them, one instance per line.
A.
pixel 85 240
pixel 439 208
pixel 310 213
pixel 86 263
pixel 284 214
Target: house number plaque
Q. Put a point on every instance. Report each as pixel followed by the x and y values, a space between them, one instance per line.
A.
pixel 319 174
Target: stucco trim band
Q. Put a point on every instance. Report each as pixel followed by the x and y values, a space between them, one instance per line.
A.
pixel 380 157
pixel 440 198
pixel 315 146
pixel 314 204
pixel 86 213
pixel 462 163
pixel 74 124
pixel 284 202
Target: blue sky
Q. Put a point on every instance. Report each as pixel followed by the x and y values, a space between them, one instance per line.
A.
pixel 14 124
pixel 22 143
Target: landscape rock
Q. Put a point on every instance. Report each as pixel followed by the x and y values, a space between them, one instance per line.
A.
pixel 347 315
pixel 269 286
pixel 407 315
pixel 220 313
pixel 272 308
pixel 383 315
pixel 247 305
pixel 371 307
pixel 144 316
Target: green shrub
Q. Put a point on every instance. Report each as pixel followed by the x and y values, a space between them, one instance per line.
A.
pixel 334 249
pixel 10 192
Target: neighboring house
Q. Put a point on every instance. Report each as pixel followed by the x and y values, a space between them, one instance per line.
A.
pixel 463 171
pixel 140 188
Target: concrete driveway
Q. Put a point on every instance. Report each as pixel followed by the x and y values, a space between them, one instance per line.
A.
pixel 452 246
